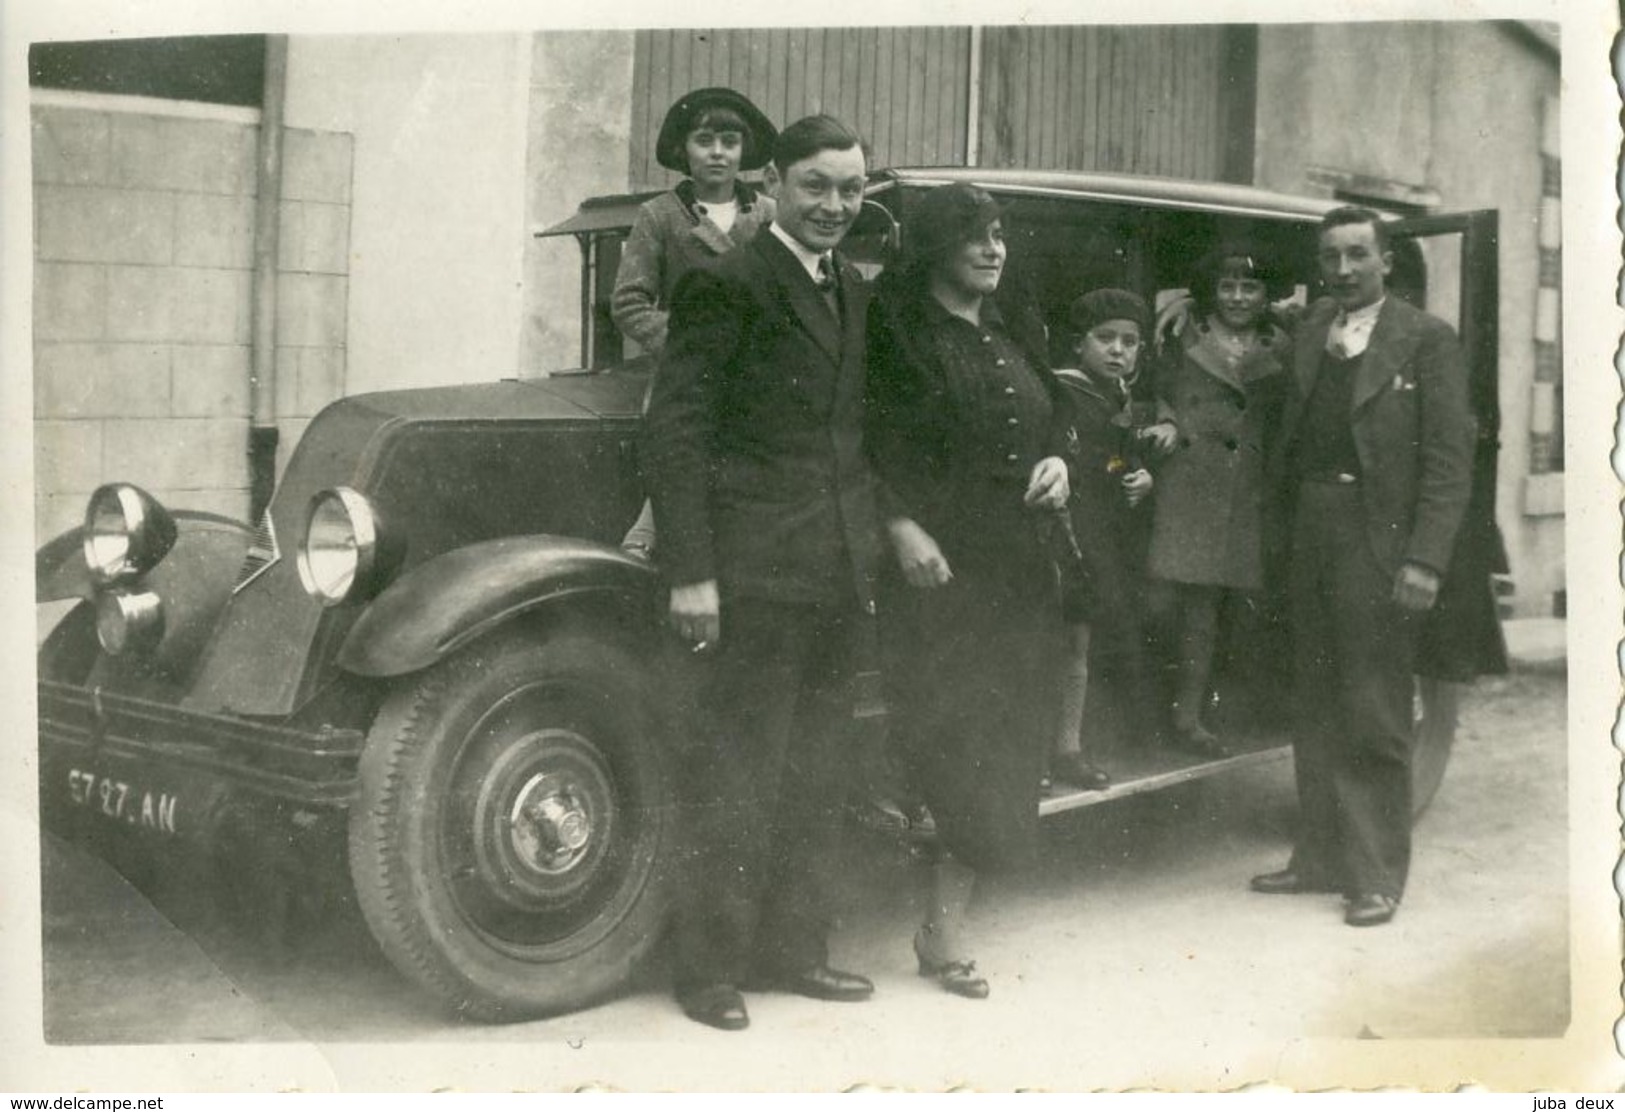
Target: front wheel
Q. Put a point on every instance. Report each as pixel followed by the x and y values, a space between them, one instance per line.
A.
pixel 508 844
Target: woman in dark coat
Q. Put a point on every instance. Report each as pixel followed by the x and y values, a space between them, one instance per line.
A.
pixel 965 433
pixel 1221 387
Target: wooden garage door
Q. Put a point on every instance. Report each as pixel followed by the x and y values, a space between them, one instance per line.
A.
pixel 903 88
pixel 1147 100
pixel 1174 100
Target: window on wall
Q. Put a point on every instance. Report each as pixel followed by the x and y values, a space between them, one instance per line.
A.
pixel 219 69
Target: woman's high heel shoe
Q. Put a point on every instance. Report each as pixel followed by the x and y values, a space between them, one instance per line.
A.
pixel 957 977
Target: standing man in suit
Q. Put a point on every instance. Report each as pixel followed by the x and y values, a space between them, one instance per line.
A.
pixel 1376 460
pixel 769 541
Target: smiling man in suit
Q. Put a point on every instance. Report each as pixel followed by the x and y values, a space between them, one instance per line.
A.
pixel 769 540
pixel 1375 455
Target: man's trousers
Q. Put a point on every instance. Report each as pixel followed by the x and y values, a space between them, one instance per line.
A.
pixel 1353 662
pixel 763 781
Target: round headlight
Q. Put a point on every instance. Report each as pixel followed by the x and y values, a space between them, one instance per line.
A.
pixel 126 532
pixel 129 621
pixel 340 555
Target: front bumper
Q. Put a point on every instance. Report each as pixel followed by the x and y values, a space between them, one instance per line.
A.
pixel 166 770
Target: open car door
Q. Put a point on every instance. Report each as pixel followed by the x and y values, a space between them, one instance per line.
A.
pixel 1447 265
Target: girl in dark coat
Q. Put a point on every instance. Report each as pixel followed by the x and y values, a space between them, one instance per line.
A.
pixel 1114 437
pixel 1221 387
pixel 966 435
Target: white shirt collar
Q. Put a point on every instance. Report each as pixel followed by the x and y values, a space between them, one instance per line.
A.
pixel 808 259
pixel 1363 317
pixel 1350 333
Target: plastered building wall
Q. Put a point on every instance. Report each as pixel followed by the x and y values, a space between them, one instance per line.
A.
pixel 438 233
pixel 143 248
pixel 577 146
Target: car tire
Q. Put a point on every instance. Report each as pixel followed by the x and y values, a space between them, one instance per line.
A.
pixel 1437 705
pixel 509 841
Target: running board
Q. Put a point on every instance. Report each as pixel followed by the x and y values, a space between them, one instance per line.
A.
pixel 1064 798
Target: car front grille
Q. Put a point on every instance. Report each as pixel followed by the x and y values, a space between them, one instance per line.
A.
pixel 263 551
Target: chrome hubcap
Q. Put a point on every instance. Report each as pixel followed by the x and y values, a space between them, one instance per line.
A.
pixel 543 820
pixel 549 825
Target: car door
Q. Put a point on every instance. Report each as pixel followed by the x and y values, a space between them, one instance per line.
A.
pixel 1447 265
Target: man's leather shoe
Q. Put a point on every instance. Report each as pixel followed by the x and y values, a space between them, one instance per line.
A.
pixel 820 982
pixel 718 1006
pixel 1371 909
pixel 957 977
pixel 1287 882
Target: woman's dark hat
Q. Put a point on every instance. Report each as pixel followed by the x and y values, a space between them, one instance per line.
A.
pixel 1099 306
pixel 945 218
pixel 670 149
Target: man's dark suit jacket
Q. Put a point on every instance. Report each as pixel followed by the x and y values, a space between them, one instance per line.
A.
pixel 1413 429
pixel 754 435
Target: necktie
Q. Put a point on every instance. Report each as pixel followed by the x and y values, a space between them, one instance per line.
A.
pixel 826 274
pixel 1339 345
pixel 826 285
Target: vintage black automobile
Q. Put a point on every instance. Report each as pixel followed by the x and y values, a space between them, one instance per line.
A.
pixel 430 662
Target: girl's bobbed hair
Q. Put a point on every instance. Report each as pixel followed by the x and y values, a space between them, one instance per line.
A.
pixel 690 110
pixel 1237 260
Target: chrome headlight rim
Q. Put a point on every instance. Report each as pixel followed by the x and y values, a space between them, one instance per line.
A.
pixel 351 511
pixel 126 533
pixel 129 622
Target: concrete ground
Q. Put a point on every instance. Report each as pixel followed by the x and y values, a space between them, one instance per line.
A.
pixel 1136 956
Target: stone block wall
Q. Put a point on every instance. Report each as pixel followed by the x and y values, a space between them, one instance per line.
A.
pixel 313 284
pixel 143 256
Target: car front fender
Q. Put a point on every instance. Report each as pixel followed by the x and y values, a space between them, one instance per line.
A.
pixel 443 604
pixel 59 568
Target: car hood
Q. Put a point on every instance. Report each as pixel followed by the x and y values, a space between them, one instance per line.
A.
pixel 443 467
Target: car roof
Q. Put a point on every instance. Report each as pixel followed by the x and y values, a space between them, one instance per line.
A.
pixel 599 213
pixel 619 210
pixel 1140 189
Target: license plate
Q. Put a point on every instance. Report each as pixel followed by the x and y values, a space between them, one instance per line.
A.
pixel 122 801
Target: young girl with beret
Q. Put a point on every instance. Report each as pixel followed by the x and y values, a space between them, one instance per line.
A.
pixel 711 135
